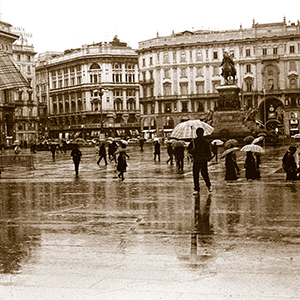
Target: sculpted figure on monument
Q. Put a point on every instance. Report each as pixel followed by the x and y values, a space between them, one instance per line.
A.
pixel 228 68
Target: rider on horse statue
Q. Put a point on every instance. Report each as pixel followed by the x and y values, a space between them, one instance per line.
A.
pixel 228 68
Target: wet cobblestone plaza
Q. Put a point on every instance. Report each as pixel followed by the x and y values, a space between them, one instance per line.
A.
pixel 147 237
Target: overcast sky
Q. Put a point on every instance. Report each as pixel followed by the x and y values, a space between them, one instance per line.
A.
pixel 58 25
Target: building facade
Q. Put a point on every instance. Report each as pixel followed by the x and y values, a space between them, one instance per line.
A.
pixel 180 74
pixel 15 91
pixel 26 111
pixel 89 91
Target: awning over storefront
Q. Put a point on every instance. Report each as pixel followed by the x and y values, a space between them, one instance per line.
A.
pixel 10 76
pixel 152 130
pixel 168 130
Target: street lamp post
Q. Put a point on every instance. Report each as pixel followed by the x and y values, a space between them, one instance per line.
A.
pixel 99 93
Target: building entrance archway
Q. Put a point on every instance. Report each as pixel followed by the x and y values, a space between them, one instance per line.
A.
pixel 270 112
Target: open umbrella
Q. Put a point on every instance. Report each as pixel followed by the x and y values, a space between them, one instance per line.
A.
pixel 248 139
pixel 187 129
pixel 228 151
pixel 253 148
pixel 217 142
pixel 258 139
pixel 262 134
pixel 230 143
pixel 178 144
pixel 296 136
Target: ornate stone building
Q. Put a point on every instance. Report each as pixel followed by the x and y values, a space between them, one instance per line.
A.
pixel 26 112
pixel 180 74
pixel 15 91
pixel 89 90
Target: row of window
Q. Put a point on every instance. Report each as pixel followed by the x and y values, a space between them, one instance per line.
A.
pixel 199 71
pixel 94 78
pixel 23 57
pixel 168 107
pixel 168 57
pixel 93 67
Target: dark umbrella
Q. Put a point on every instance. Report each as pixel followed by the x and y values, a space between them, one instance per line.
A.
pixel 249 139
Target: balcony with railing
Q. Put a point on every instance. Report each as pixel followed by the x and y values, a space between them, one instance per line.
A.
pixel 269 57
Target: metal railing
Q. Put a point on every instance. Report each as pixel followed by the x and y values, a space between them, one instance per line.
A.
pixel 17 160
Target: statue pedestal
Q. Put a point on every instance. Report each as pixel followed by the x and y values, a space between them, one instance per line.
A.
pixel 228 120
pixel 229 98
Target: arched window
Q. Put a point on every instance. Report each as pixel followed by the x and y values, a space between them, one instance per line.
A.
pixel 182 57
pixel 118 104
pixel 166 57
pixel 95 73
pixel 270 75
pixel 131 104
pixel 198 55
pixel 293 83
pixel 167 89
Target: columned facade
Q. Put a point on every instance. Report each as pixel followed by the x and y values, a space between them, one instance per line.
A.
pixel 180 73
pixel 91 91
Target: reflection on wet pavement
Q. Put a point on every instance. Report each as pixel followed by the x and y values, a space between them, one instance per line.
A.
pixel 97 224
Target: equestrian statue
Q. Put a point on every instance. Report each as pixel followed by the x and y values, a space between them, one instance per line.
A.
pixel 228 68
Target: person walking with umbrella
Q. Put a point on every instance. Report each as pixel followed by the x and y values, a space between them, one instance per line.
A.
pixel 157 150
pixel 199 148
pixel 179 154
pixel 250 166
pixel 122 164
pixel 231 166
pixel 252 171
pixel 76 154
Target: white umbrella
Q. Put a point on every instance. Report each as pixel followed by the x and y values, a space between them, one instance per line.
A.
pixel 217 142
pixel 228 151
pixel 253 148
pixel 187 129
pixel 258 139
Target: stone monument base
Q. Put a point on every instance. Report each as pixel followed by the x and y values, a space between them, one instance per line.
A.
pixel 231 124
pixel 228 119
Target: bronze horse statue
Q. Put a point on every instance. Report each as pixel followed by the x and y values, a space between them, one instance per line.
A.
pixel 228 68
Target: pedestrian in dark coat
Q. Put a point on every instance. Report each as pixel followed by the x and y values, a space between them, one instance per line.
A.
pixel 122 164
pixel 157 150
pixel 53 149
pixel 250 166
pixel 102 154
pixel 232 168
pixel 289 164
pixel 170 153
pixel 214 149
pixel 179 156
pixel 112 148
pixel 76 154
pixel 142 141
pixel 200 150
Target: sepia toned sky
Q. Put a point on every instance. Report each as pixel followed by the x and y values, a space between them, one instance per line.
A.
pixel 58 25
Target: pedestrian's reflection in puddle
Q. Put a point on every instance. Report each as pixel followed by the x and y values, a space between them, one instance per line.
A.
pixel 202 234
pixel 202 239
